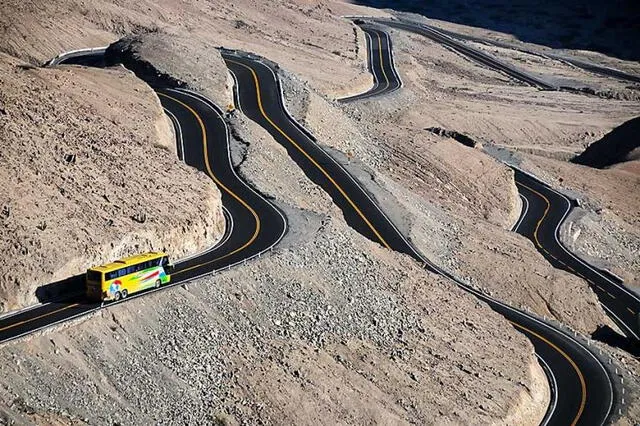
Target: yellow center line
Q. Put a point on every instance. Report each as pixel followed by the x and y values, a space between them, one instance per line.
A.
pixel 583 384
pixel 567 357
pixel 315 163
pixel 546 211
pixel 220 184
pixel 39 316
pixel 381 60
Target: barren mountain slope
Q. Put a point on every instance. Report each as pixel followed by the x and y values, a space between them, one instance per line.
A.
pixel 331 328
pixel 308 36
pixel 84 181
pixel 464 194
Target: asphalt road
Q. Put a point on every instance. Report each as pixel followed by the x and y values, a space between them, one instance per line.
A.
pixel 545 211
pixel 474 54
pixel 582 388
pixel 380 58
pixel 583 392
pixel 588 66
pixel 548 208
pixel 254 225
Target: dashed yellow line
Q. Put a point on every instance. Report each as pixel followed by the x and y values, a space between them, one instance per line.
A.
pixel 631 310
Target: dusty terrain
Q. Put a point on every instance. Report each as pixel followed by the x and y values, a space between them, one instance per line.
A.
pixel 83 182
pixel 309 36
pixel 331 328
pixel 458 203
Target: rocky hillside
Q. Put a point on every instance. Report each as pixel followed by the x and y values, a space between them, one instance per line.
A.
pixel 83 180
pixel 331 327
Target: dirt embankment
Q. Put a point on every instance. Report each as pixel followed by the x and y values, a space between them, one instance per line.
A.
pixel 456 203
pixel 88 174
pixel 308 37
pixel 174 60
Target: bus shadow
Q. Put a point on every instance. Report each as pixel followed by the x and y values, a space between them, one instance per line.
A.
pixel 66 290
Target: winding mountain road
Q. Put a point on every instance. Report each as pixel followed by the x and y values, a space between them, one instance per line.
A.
pixel 583 391
pixel 582 387
pixel 546 211
pixel 474 54
pixel 254 224
pixel 547 207
pixel 380 61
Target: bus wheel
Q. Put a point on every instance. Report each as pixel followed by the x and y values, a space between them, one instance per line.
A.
pixel 125 293
pixel 117 296
pixel 157 285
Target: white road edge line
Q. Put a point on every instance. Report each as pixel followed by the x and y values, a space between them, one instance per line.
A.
pixel 619 320
pixel 392 60
pixel 523 214
pixel 566 213
pixel 471 289
pixel 206 102
pixel 213 272
pixel 376 83
pixel 228 217
pixel 175 121
pixel 553 389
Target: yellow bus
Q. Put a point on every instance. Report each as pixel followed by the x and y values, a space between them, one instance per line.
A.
pixel 117 280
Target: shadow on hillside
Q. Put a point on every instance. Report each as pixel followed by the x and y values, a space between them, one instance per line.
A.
pixel 67 290
pixel 620 145
pixel 606 334
pixel 606 27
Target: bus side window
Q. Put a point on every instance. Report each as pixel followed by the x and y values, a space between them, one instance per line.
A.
pixel 165 261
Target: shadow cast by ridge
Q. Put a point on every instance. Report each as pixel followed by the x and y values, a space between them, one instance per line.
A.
pixel 618 146
pixel 605 27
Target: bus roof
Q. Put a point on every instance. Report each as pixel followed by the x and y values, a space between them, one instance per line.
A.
pixel 130 260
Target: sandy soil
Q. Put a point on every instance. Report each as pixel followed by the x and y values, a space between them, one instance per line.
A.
pixel 309 36
pixel 331 322
pixel 77 172
pixel 331 328
pixel 456 202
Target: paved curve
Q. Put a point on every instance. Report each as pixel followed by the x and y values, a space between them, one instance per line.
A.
pixel 255 224
pixel 546 210
pixel 380 59
pixel 582 382
pixel 588 66
pixel 547 207
pixel 474 54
